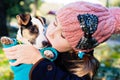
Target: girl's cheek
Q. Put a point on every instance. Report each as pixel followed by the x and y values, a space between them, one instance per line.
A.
pixel 50 30
pixel 51 27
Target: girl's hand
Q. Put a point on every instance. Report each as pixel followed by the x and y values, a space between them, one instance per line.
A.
pixel 23 54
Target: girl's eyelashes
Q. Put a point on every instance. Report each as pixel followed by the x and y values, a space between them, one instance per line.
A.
pixel 62 36
pixel 55 23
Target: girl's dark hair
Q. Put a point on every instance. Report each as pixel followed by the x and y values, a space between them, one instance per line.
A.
pixel 70 62
pixel 91 64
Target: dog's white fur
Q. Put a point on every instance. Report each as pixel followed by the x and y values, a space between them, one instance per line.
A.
pixel 41 37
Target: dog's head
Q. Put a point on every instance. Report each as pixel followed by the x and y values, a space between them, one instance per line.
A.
pixel 32 30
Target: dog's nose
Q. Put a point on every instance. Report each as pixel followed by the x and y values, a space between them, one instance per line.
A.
pixel 44 43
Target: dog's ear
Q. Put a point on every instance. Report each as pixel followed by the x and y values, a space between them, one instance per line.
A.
pixel 42 19
pixel 23 19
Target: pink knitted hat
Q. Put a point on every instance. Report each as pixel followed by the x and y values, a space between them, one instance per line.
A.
pixel 108 23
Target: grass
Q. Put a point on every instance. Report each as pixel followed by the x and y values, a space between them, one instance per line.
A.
pixel 5 72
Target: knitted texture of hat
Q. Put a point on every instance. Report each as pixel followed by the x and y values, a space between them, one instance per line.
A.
pixel 115 11
pixel 67 17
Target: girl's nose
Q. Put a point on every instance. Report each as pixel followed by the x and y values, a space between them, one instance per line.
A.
pixel 51 30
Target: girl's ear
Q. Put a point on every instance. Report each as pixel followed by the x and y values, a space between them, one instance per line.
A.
pixel 23 19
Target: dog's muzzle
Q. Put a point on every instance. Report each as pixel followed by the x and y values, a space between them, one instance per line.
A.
pixel 44 30
pixel 45 43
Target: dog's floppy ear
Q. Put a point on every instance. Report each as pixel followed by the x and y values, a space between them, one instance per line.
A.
pixel 23 19
pixel 42 19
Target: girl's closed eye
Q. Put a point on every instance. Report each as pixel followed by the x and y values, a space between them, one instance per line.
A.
pixel 55 23
pixel 62 35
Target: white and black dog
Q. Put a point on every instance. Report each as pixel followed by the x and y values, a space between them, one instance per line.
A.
pixel 31 31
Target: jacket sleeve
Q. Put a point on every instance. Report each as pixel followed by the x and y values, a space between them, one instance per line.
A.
pixel 46 70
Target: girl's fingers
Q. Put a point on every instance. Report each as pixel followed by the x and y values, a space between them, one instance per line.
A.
pixel 11 49
pixel 17 62
pixel 10 55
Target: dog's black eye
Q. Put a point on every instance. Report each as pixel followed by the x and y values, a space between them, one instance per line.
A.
pixel 34 29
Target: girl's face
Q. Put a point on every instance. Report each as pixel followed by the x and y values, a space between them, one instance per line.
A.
pixel 56 38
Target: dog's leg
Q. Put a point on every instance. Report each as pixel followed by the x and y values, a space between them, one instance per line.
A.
pixel 48 54
pixel 6 40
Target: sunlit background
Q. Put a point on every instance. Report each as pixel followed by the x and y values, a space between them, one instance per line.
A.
pixel 107 53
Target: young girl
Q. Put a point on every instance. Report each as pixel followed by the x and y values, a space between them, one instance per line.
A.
pixel 79 27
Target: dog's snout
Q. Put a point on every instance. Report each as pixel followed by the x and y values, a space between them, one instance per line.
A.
pixel 44 43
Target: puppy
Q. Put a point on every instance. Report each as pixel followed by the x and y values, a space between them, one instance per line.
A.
pixel 31 31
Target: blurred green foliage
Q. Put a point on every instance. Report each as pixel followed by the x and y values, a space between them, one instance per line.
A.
pixel 15 7
pixel 109 58
pixel 115 3
pixel 5 72
pixel 108 73
pixel 9 9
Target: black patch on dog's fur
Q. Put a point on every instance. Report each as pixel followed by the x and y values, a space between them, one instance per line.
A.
pixel 32 28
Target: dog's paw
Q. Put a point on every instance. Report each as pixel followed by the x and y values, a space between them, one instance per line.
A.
pixel 48 54
pixel 6 40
